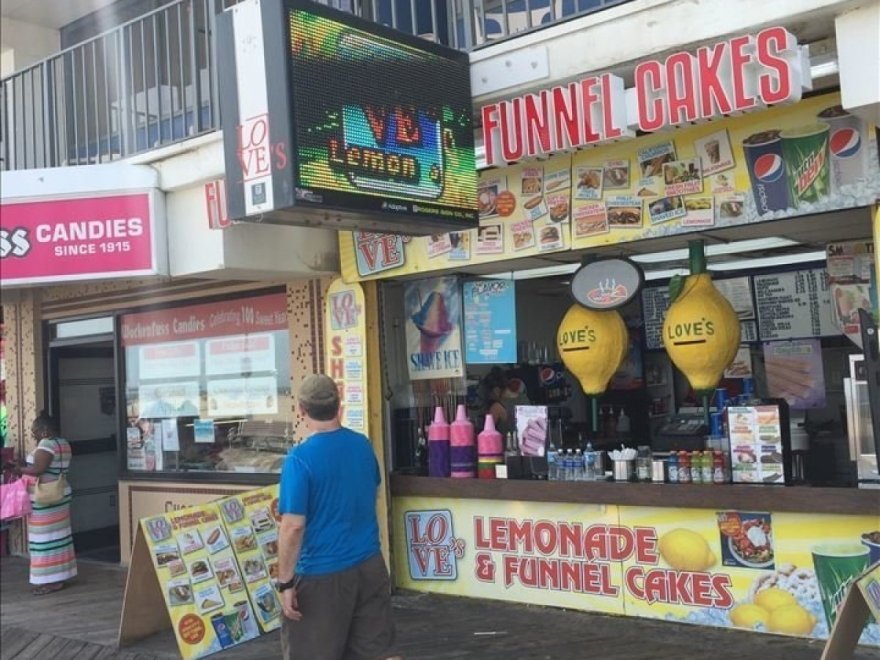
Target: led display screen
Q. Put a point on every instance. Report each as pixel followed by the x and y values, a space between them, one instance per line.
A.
pixel 379 124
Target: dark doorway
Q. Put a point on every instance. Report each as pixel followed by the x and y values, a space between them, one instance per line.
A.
pixel 83 391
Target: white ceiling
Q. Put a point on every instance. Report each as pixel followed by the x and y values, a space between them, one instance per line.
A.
pixel 52 14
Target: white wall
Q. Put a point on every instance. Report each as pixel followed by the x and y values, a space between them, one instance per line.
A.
pixel 22 44
pixel 858 50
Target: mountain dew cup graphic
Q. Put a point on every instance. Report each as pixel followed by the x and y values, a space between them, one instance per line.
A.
pixel 836 566
pixel 805 151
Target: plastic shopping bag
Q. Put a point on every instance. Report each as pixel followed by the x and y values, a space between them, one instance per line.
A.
pixel 14 500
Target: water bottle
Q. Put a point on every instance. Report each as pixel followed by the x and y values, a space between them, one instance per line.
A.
pixel 578 465
pixel 569 465
pixel 589 463
pixel 552 464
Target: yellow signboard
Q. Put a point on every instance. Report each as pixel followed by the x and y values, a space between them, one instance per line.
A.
pixel 782 162
pixel 200 580
pixel 251 520
pixel 757 570
pixel 345 346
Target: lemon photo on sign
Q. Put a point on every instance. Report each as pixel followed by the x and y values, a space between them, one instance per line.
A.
pixel 775 610
pixel 685 550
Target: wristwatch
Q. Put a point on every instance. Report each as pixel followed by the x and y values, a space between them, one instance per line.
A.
pixel 284 586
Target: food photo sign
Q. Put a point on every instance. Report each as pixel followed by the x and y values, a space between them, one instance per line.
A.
pixel 783 573
pixel 206 571
pixel 781 162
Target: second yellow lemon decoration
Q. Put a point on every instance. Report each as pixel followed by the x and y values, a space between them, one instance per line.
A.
pixel 701 330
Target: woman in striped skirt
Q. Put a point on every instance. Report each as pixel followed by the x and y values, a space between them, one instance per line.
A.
pixel 50 539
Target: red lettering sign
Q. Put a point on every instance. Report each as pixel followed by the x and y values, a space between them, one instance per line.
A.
pixel 738 75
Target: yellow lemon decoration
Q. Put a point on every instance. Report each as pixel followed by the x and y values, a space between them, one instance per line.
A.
pixel 685 550
pixel 701 329
pixel 592 345
pixel 774 598
pixel 748 615
pixel 791 620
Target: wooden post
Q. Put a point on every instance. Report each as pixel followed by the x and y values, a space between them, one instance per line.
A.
pixel 376 423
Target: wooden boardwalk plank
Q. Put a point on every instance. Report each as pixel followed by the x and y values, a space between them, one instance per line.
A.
pixel 14 640
pixel 80 623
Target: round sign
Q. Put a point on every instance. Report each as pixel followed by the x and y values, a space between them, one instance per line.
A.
pixel 607 283
pixel 505 203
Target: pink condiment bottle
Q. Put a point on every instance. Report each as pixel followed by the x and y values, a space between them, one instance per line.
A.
pixel 490 449
pixel 438 445
pixel 462 452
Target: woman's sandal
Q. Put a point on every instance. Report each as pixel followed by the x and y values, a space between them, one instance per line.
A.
pixel 45 589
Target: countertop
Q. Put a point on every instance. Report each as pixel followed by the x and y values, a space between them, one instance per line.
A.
pixel 792 499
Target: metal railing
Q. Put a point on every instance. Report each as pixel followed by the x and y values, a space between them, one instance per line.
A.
pixel 152 81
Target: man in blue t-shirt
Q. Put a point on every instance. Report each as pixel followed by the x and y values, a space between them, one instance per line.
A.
pixel 335 590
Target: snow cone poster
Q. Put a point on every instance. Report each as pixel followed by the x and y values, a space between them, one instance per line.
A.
pixel 433 328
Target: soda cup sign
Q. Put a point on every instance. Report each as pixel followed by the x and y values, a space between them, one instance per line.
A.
pixel 847 140
pixel 806 156
pixel 763 153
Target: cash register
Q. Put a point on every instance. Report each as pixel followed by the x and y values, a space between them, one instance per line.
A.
pixel 683 432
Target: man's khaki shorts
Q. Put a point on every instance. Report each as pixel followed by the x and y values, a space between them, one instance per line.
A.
pixel 346 616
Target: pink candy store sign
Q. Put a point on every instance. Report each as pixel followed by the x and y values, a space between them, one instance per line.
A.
pixel 79 239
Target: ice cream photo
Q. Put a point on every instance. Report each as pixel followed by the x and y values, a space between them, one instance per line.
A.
pixel 433 333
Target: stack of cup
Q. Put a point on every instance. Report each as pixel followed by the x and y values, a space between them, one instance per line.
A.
pixel 490 449
pixel 438 445
pixel 462 451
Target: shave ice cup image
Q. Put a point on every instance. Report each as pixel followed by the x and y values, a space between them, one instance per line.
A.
pixel 836 566
pixel 432 321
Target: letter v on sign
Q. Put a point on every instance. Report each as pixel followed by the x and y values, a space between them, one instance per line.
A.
pixel 377 118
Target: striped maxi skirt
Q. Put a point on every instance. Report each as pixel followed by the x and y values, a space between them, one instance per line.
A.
pixel 50 541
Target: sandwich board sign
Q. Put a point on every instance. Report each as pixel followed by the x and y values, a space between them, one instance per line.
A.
pixel 206 571
pixel 862 601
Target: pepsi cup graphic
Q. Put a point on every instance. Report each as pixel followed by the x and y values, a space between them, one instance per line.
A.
pixel 763 153
pixel 847 143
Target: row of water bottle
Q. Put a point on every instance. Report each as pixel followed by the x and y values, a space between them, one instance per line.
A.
pixel 575 465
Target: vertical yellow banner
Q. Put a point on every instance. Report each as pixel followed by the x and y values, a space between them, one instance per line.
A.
pixel 345 340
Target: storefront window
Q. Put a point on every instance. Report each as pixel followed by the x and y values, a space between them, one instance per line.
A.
pixel 208 386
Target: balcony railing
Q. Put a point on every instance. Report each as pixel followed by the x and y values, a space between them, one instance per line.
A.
pixel 152 82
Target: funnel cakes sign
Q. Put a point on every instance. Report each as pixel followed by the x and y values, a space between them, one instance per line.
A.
pixel 433 329
pixel 730 77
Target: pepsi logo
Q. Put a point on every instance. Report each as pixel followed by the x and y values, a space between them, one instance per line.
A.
pixel 845 142
pixel 769 168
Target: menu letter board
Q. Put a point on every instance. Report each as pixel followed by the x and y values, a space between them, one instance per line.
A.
pixel 793 305
pixel 490 321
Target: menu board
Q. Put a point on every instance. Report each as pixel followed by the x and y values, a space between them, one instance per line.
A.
pixel 253 534
pixel 655 302
pixel 738 291
pixel 490 321
pixel 756 444
pixel 200 580
pixel 793 305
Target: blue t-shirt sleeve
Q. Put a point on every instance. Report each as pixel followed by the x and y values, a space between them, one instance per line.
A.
pixel 376 470
pixel 293 494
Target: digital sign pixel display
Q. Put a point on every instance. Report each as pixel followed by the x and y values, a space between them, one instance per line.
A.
pixel 379 124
